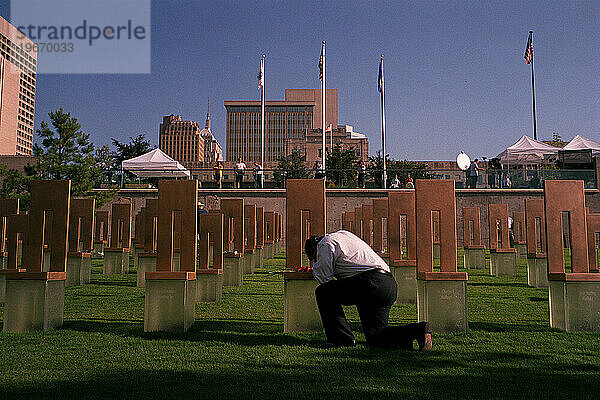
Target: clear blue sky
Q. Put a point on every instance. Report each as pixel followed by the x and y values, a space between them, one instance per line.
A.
pixel 455 75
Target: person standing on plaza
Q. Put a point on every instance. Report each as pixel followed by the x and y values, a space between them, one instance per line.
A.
pixel 239 169
pixel 473 174
pixel 494 173
pixel 258 175
pixel 362 170
pixel 409 182
pixel 218 168
pixel 318 170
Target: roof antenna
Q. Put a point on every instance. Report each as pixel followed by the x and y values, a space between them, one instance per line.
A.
pixel 207 125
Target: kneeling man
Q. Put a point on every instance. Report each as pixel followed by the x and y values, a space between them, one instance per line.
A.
pixel 363 279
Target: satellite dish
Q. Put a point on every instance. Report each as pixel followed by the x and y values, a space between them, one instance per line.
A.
pixel 463 161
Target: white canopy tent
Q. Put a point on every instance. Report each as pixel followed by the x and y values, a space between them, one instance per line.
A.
pixel 527 151
pixel 582 143
pixel 155 164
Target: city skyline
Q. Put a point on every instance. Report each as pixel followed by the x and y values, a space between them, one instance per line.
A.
pixel 456 79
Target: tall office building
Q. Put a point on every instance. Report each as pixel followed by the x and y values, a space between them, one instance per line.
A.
pixel 18 66
pixel 289 119
pixel 181 140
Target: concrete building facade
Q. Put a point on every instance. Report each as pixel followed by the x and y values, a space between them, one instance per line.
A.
pixel 343 136
pixel 18 66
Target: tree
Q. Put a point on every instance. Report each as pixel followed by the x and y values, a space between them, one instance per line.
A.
pixel 104 175
pixel 15 184
pixel 136 147
pixel 66 153
pixel 557 140
pixel 290 167
pixel 341 167
pixel 104 162
pixel 400 168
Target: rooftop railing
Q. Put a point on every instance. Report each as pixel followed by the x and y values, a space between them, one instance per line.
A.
pixel 349 178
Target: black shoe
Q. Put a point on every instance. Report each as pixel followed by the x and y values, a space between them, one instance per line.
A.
pixel 330 345
pixel 424 336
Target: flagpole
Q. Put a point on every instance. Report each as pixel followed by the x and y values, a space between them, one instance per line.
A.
pixel 383 124
pixel 323 107
pixel 262 113
pixel 533 90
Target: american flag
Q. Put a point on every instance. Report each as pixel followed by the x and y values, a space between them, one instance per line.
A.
pixel 261 78
pixel 380 77
pixel 321 67
pixel 529 49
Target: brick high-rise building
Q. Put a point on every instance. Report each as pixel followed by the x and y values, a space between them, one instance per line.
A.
pixel 18 66
pixel 288 119
pixel 181 140
pixel 185 142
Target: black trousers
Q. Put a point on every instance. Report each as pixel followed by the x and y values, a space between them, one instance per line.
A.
pixel 472 182
pixel 373 292
pixel 238 180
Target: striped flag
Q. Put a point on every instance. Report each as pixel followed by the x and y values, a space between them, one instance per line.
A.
pixel 380 78
pixel 321 67
pixel 261 73
pixel 529 49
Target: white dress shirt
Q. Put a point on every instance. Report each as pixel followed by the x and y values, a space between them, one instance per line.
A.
pixel 342 254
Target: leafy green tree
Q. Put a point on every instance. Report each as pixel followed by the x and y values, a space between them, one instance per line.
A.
pixel 104 162
pixel 136 147
pixel 341 167
pixel 290 167
pixel 104 175
pixel 66 153
pixel 400 168
pixel 15 184
pixel 557 140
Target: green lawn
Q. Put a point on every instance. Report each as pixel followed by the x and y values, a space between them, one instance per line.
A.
pixel 237 349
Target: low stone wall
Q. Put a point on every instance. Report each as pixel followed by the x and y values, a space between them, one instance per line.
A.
pixel 340 200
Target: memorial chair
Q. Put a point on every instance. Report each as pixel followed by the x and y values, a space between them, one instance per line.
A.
pixel 535 233
pixel 574 291
pixel 503 258
pixel 474 250
pixel 441 294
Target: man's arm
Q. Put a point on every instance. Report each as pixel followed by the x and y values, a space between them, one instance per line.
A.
pixel 324 267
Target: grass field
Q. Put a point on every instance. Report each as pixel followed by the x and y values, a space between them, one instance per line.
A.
pixel 237 349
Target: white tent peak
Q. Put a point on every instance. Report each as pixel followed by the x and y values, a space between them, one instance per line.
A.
pixel 155 164
pixel 581 143
pixel 153 155
pixel 529 143
pixel 527 151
